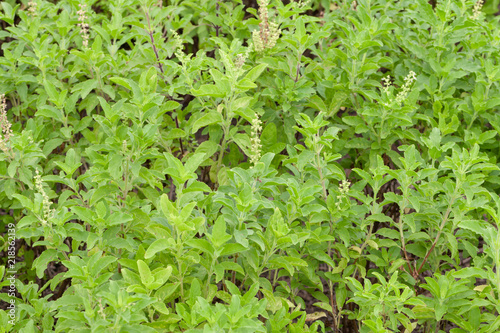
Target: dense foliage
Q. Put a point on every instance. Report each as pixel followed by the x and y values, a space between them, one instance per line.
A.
pixel 250 166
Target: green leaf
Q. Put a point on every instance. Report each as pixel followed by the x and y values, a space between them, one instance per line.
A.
pixel 485 136
pixel 337 101
pixel 122 82
pixel 27 203
pixel 169 106
pixel 51 145
pixel 243 142
pixel 473 225
pixel 50 112
pixel 83 214
pixel 221 81
pixel 209 148
pixel 118 218
pixel 162 275
pixel 232 248
pixel 101 264
pixel 212 90
pixel 245 85
pixel 281 262
pixel 229 266
pixel 186 211
pixel 219 235
pixel 468 272
pixel 300 29
pixel 213 117
pixel 492 102
pixel 10 12
pixel 102 192
pixel 85 87
pixel 380 218
pixel 388 233
pixel 43 260
pixel 161 308
pixel 435 137
pixel 155 247
pixel 241 103
pixel 167 207
pixel 12 168
pixel 194 162
pixel 51 90
pixel 255 72
pixel 72 160
pixel 202 245
pixel 145 273
pixel 268 136
pixel 198 187
pixel 341 295
pixel 175 133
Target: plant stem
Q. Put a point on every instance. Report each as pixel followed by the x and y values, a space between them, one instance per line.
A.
pixel 160 66
pixel 402 237
pixel 441 227
pixel 330 283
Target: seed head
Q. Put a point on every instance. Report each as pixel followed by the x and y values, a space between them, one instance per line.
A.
pixel 343 189
pixel 303 4
pixel 387 83
pixel 5 124
pixel 101 309
pixel 268 35
pixel 32 8
pixel 240 60
pixel 48 213
pixel 179 47
pixel 84 27
pixel 255 140
pixel 476 11
pixel 405 89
